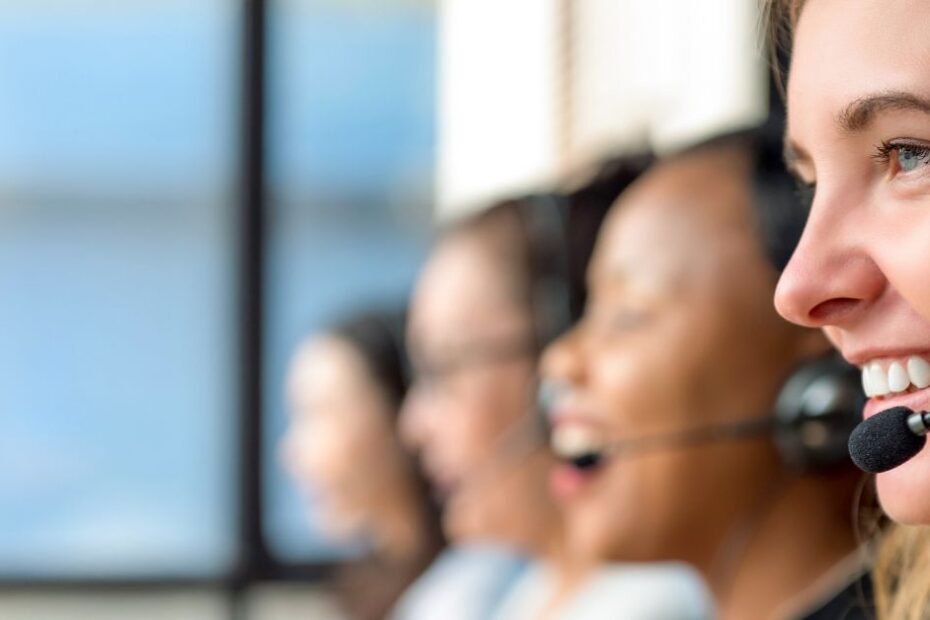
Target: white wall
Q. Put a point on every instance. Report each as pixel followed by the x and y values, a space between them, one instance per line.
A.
pixel 521 107
pixel 498 94
pixel 664 73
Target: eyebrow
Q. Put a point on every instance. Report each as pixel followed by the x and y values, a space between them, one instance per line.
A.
pixel 861 112
pixel 856 117
pixel 626 275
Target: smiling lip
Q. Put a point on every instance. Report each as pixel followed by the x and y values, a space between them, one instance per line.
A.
pixel 569 416
pixel 571 433
pixel 914 397
pixel 566 480
pixel 863 356
pixel 918 400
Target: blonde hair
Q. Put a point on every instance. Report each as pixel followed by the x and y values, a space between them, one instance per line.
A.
pixel 901 574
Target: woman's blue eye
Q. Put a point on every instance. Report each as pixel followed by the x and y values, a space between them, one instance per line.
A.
pixel 911 158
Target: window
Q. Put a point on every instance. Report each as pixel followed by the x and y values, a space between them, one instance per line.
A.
pixel 117 366
pixel 351 149
pixel 125 378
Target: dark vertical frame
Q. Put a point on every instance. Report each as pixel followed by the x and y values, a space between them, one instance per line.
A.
pixel 255 561
pixel 253 555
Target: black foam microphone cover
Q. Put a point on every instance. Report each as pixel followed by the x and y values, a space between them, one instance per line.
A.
pixel 884 441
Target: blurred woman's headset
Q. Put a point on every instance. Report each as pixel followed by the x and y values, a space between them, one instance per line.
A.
pixel 816 410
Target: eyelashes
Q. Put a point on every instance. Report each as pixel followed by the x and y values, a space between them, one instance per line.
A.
pixel 902 156
pixel 610 319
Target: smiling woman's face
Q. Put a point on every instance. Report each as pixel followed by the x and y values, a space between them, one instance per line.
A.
pixel 859 133
pixel 340 445
pixel 470 342
pixel 679 332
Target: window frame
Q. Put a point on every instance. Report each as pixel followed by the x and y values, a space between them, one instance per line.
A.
pixel 255 564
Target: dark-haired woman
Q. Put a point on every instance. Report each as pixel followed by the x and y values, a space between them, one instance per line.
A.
pixel 345 388
pixel 497 287
pixel 679 339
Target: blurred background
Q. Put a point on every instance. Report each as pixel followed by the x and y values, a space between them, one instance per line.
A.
pixel 188 187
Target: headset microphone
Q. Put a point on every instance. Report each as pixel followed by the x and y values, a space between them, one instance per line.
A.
pixel 680 439
pixel 814 414
pixel 888 439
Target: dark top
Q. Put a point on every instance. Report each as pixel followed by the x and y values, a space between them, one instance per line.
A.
pixel 855 602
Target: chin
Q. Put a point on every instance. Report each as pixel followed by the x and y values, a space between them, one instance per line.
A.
pixel 335 531
pixel 464 523
pixel 341 524
pixel 456 530
pixel 904 492
pixel 596 537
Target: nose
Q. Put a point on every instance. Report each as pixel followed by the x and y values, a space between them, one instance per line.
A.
pixel 831 278
pixel 563 360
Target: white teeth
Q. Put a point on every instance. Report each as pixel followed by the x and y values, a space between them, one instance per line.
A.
pixel 898 378
pixel 919 371
pixel 878 381
pixel 866 382
pixel 898 381
pixel 573 441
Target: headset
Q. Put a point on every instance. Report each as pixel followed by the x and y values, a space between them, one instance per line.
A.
pixel 816 410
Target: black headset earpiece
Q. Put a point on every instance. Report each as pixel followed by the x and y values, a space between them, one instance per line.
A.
pixel 818 407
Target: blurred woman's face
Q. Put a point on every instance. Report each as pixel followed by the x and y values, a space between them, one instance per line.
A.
pixel 859 135
pixel 471 346
pixel 679 332
pixel 341 446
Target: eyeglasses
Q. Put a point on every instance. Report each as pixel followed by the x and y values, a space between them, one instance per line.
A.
pixel 439 371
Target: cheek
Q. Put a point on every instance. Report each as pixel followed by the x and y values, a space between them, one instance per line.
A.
pixel 496 402
pixel 303 452
pixel 481 436
pixel 461 434
pixel 338 452
pixel 904 257
pixel 639 394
